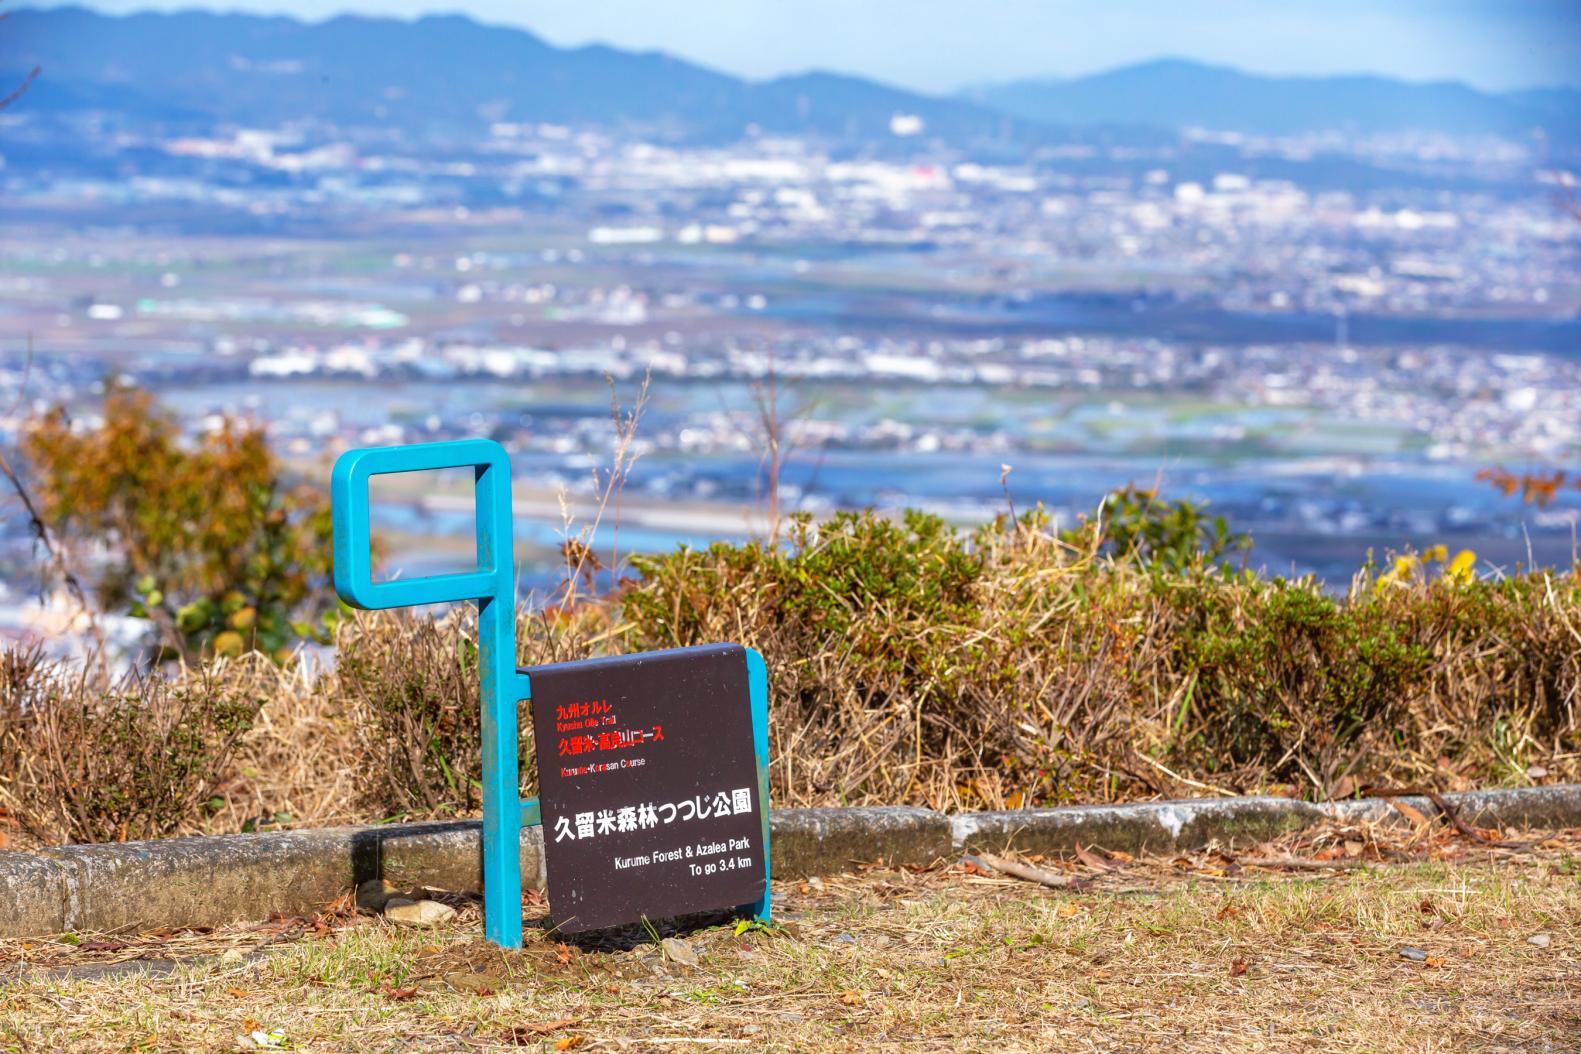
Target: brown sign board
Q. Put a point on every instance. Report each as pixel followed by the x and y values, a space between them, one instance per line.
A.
pixel 649 786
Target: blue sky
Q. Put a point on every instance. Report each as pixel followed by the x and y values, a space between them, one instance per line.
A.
pixel 940 45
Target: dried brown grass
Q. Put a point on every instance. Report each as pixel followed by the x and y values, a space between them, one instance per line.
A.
pixel 1162 954
pixel 907 665
pixel 87 758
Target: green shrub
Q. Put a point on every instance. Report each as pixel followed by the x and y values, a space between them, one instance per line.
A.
pixel 1137 525
pixel 1286 677
pixel 206 540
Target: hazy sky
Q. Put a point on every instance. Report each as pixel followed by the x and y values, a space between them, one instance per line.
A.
pixel 940 45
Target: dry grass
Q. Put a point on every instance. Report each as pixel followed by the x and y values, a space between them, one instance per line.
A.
pixel 299 764
pixel 87 758
pixel 908 665
pixel 1190 955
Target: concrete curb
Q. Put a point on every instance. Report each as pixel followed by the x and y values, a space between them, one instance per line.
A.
pixel 180 882
pixel 826 841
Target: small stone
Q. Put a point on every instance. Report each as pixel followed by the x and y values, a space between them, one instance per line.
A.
pixel 1540 940
pixel 844 938
pixel 234 955
pixel 678 951
pixel 418 912
pixel 1416 955
pixel 374 894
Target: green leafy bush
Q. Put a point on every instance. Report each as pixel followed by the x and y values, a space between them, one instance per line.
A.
pixel 205 540
pixel 1283 672
pixel 1137 525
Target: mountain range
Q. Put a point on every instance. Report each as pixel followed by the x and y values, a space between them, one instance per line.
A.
pixel 1177 93
pixel 449 76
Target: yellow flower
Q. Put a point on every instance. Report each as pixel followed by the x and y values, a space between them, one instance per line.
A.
pixel 1463 568
pixel 1400 574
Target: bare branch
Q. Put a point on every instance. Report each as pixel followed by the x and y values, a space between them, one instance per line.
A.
pixel 780 442
pixel 45 539
pixel 578 549
pixel 17 92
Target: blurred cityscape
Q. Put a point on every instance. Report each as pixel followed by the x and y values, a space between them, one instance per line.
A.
pixel 1326 335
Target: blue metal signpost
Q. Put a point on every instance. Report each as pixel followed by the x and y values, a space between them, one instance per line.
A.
pixel 492 585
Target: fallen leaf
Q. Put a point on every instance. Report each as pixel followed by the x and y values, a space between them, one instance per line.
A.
pixel 1093 860
pixel 1067 910
pixel 569 1042
pixel 1434 960
pixel 399 995
pixel 1237 967
pixel 102 946
pixel 238 993
pixel 1410 812
pixel 1120 857
pixel 1229 911
pixel 1353 849
pixel 851 998
pixel 519 1034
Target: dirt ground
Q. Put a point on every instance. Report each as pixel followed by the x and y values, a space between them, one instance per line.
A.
pixel 1352 939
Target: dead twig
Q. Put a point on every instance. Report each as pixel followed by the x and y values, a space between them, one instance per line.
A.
pixel 1296 863
pixel 1027 872
pixel 1451 813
